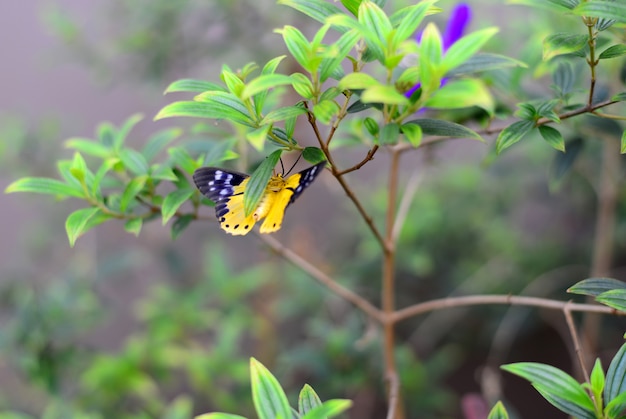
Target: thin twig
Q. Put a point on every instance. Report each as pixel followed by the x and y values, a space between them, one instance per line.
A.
pixel 405 204
pixel 368 157
pixel 323 278
pixel 393 383
pixel 572 330
pixel 474 300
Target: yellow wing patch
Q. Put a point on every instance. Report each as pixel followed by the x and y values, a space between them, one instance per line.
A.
pixel 227 189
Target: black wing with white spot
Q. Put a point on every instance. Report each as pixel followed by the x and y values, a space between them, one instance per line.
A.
pixel 218 185
pixel 307 176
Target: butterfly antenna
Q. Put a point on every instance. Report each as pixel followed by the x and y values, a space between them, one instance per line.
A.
pixel 282 168
pixel 293 165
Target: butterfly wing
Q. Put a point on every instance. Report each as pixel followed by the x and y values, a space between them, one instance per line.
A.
pixel 294 185
pixel 301 180
pixel 225 188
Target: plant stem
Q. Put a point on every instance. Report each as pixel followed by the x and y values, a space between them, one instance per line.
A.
pixel 388 282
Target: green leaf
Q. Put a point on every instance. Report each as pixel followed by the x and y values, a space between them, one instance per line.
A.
pixel 552 137
pixel 431 49
pixel 498 412
pixel 328 409
pixel 281 114
pixel 269 398
pixel 337 52
pixel 182 159
pixel 316 9
pixel 616 407
pixel 134 225
pixel 233 82
pixel 561 389
pixel 614 298
pixel 564 77
pixel 106 134
pixel 257 137
pixel 269 68
pixel 602 8
pixel 45 186
pixel 258 182
pixel 218 415
pixel 302 85
pixel 122 133
pixel 462 93
pixel 88 147
pixel 597 378
pixel 383 94
pixel 298 46
pixel 596 286
pixel 512 134
pixel 313 155
pixel 264 82
pixel 206 109
pixel 616 376
pixel 443 128
pixel 374 19
pixel 613 51
pixel 180 224
pixel 413 133
pixel 464 48
pixel 484 62
pixel 357 81
pixel 622 148
pixel 558 6
pixel 158 141
pixel 132 189
pixel 389 134
pixel 563 43
pixel 134 161
pixel 77 223
pixel 191 85
pixel 308 399
pixel 173 201
pixel 411 19
pixel 620 97
pixel 325 111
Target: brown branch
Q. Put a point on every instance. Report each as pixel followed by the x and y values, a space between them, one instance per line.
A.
pixel 368 157
pixel 474 300
pixel 323 278
pixel 393 383
pixel 577 348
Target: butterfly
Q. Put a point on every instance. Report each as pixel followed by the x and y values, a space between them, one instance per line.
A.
pixel 226 188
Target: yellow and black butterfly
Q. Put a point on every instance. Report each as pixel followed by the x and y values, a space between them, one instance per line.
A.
pixel 226 188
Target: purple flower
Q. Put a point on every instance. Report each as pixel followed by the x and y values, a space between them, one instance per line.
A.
pixel 455 29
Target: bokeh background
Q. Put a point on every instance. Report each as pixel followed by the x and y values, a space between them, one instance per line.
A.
pixel 124 326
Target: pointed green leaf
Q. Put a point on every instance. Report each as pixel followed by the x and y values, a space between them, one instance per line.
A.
pixel 45 186
pixel 173 201
pixel 269 398
pixel 264 82
pixel 134 225
pixel 484 62
pixel 614 298
pixel 374 19
pixel 158 141
pixel 498 412
pixel 257 137
pixel 622 148
pixel 308 399
pixel 563 43
pixel 559 6
pixel 603 9
pixel 462 93
pixel 258 182
pixel 552 137
pixel 302 85
pixel 383 94
pixel 77 223
pixel 298 46
pixel 337 52
pixel 316 9
pixel 206 108
pixel 553 382
pixel 443 128
pixel 134 161
pixel 88 147
pixel 357 81
pixel 328 409
pixel 613 51
pixel 616 407
pixel 219 416
pixel 571 408
pixel 233 82
pixel 430 58
pixel 597 378
pixel 180 224
pixel 596 286
pixel 191 85
pixel 466 47
pixel 182 159
pixel 512 134
pixel 616 376
pixel 620 97
pixel 132 189
pixel 411 19
pixel 268 69
pixel 281 114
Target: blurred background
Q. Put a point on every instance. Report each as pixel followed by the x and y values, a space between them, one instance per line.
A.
pixel 147 327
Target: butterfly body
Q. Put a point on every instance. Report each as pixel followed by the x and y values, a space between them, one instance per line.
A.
pixel 226 188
